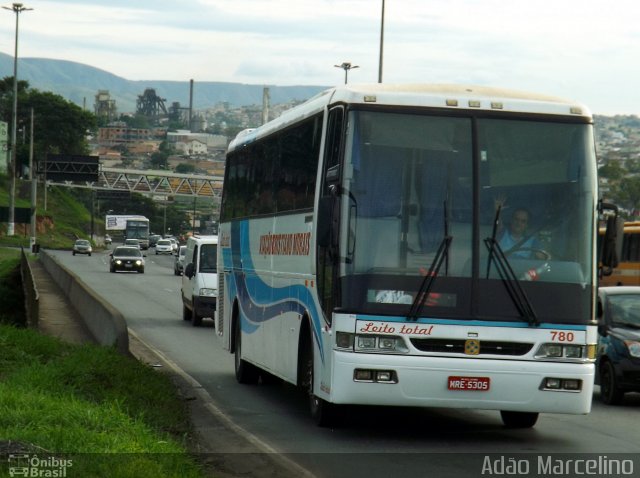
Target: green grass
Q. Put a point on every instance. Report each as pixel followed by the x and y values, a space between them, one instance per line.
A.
pixel 11 297
pixel 111 415
pixel 67 219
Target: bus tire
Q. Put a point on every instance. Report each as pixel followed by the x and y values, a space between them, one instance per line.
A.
pixel 323 413
pixel 610 392
pixel 246 373
pixel 519 419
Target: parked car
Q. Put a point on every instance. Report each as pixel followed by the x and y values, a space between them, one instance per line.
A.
pixel 132 243
pixel 618 358
pixel 163 246
pixel 126 258
pixel 82 246
pixel 178 266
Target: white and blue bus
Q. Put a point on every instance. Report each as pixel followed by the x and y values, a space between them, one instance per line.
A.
pixel 137 227
pixel 423 246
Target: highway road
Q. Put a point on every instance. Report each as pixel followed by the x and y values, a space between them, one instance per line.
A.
pixel 375 442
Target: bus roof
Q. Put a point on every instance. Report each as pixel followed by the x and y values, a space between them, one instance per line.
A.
pixel 454 97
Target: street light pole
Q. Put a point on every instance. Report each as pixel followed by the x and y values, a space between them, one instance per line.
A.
pixel 34 190
pixel 346 66
pixel 381 44
pixel 17 8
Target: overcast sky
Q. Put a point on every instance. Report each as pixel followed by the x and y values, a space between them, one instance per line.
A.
pixel 585 50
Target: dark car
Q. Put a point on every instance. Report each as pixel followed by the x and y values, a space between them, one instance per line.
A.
pixel 125 258
pixel 618 360
pixel 82 246
pixel 153 239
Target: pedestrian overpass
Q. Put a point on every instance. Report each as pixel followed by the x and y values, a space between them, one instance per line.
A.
pixel 159 184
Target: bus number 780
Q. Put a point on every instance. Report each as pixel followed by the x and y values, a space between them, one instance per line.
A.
pixel 557 336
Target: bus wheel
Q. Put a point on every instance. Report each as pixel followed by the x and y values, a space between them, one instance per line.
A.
pixel 322 412
pixel 610 393
pixel 245 372
pixel 519 419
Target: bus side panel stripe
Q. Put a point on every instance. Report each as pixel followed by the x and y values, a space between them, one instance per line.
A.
pixel 260 302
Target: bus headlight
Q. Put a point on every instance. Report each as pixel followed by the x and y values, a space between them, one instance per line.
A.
pixel 344 340
pixel 208 292
pixel 380 344
pixel 573 351
pixel 563 351
pixel 371 343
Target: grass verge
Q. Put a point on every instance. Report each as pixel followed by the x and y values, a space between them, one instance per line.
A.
pixel 110 415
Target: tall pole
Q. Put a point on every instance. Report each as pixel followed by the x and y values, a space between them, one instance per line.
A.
pixel 346 66
pixel 17 8
pixel 34 189
pixel 381 44
pixel 93 207
pixel 164 224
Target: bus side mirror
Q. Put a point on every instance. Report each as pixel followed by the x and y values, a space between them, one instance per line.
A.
pixel 612 242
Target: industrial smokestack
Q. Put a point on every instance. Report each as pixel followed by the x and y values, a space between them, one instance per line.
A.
pixel 266 102
pixel 191 105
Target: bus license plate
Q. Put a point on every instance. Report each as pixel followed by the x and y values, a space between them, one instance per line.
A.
pixel 477 384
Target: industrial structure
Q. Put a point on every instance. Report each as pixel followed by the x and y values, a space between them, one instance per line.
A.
pixel 104 106
pixel 149 104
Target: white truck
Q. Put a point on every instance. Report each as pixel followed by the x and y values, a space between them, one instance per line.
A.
pixel 200 279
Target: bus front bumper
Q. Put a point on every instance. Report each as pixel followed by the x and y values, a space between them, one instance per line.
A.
pixel 426 382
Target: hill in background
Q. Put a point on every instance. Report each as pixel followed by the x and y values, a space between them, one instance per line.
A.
pixel 80 83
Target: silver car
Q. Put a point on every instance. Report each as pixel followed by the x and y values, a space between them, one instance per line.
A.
pixel 163 246
pixel 178 266
pixel 82 246
pixel 132 243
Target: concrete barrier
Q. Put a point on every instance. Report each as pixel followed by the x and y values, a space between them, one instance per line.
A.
pixel 106 325
pixel 30 291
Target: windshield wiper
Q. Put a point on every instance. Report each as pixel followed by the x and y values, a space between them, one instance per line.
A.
pixel 511 282
pixel 494 233
pixel 429 279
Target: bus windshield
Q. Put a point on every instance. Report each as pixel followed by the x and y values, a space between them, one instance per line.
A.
pixel 513 196
pixel 137 229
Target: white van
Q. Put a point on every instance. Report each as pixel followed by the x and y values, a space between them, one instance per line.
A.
pixel 200 279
